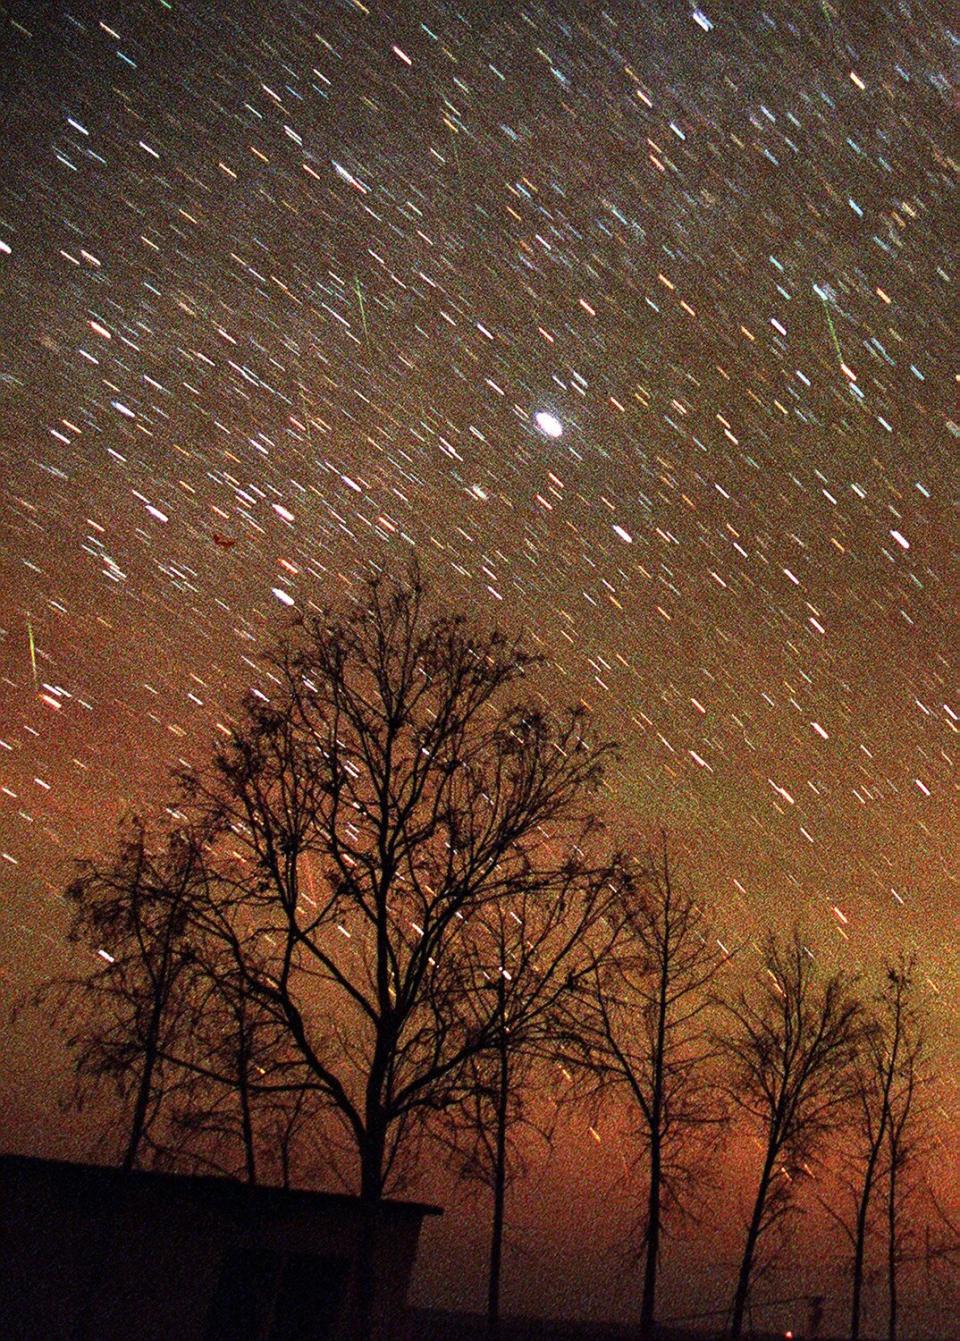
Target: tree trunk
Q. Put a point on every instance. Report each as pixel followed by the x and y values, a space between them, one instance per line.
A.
pixel 499 1193
pixel 161 991
pixel 648 1301
pixel 371 1162
pixel 892 1301
pixel 742 1292
pixel 371 1192
pixel 139 1119
pixel 285 1161
pixel 246 1120
pixel 859 1246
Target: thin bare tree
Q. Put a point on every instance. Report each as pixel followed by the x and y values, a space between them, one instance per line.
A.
pixel 791 1043
pixel 885 1075
pixel 122 1016
pixel 230 1100
pixel 546 950
pixel 646 1027
pixel 488 1139
pixel 907 1133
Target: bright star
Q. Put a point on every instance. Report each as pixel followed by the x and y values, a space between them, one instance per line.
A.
pixel 548 423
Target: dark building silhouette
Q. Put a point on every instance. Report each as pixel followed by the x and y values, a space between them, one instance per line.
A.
pixel 89 1253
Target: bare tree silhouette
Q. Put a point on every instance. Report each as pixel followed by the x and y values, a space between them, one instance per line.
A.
pixel 791 1047
pixel 546 950
pixel 330 891
pixel 907 1134
pixel 394 791
pixel 648 1038
pixel 124 1016
pixel 885 1076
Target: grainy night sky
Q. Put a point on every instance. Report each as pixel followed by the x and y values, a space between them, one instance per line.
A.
pixel 633 321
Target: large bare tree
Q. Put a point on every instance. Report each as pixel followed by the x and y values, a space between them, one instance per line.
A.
pixel 319 928
pixel 791 1043
pixel 331 894
pixel 401 782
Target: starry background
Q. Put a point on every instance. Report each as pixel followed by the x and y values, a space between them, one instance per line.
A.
pixel 283 290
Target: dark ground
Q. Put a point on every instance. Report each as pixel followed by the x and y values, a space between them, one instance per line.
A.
pixel 435 1325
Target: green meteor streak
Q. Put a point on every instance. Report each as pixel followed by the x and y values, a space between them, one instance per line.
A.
pixel 836 342
pixel 363 314
pixel 33 651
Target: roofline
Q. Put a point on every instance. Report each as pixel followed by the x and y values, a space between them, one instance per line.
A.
pixel 218 1184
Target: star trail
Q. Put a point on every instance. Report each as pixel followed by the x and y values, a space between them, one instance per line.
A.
pixel 635 323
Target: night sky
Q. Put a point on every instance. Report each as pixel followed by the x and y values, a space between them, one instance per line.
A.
pixel 634 322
